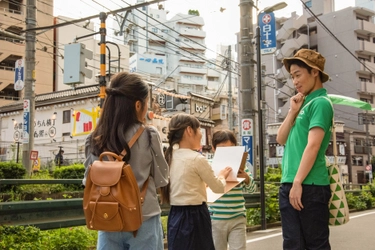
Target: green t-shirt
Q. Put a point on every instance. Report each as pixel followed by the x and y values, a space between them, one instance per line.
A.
pixel 316 111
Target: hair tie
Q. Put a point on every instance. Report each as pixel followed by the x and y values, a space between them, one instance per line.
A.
pixel 113 92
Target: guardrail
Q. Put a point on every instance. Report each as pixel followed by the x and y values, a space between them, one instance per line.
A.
pixel 59 213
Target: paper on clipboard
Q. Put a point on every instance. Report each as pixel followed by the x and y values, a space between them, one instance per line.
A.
pixel 227 156
pixel 212 197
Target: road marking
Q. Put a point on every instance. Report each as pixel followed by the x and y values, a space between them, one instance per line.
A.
pixel 360 215
pixel 278 234
pixel 263 238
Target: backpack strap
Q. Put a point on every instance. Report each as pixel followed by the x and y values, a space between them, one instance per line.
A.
pixel 133 139
pixel 123 153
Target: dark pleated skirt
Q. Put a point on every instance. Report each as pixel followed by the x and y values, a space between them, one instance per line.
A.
pixel 189 228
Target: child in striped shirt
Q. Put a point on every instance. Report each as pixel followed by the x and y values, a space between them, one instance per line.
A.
pixel 228 213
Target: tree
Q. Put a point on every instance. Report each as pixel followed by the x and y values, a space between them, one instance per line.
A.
pixel 193 12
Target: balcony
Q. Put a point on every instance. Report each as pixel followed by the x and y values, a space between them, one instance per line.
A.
pixel 189 32
pixel 281 73
pixel 291 45
pixel 194 80
pixel 366 87
pixel 213 73
pixel 283 110
pixel 363 70
pixel 11 46
pixel 191 58
pixel 362 150
pixel 192 45
pixel 289 26
pixel 193 70
pixel 6 76
pixel 365 28
pixel 10 17
pixel 284 93
pixel 365 48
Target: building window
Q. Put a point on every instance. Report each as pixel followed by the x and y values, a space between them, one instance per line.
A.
pixel 357 160
pixel 155 30
pixel 308 4
pixel 363 79
pixel 66 116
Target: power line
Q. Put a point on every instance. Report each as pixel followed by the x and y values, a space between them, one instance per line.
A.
pixel 334 37
pixel 92 17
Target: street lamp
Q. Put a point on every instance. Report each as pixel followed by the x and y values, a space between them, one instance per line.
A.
pixel 272 8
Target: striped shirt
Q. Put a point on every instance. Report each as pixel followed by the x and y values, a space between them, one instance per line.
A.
pixel 232 204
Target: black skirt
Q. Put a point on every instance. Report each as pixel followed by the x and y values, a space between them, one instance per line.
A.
pixel 189 228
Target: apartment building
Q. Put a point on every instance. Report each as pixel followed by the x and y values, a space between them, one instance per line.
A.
pixel 12 47
pixel 350 62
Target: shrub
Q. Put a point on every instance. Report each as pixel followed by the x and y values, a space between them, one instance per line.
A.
pixel 355 202
pixel 367 198
pixel 32 238
pixel 74 238
pixel 272 207
pixel 75 171
pixel 273 175
pixel 11 170
pixel 20 237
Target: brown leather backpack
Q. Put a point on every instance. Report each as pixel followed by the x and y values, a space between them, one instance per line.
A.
pixel 112 200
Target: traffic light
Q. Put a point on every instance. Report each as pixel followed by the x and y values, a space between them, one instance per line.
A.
pixel 75 70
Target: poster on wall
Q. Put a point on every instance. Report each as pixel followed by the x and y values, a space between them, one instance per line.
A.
pixel 84 121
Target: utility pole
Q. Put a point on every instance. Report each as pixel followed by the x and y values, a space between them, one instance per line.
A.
pixel 230 101
pixel 247 76
pixel 102 81
pixel 29 95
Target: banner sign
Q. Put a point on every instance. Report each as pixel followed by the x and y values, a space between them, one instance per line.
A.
pixel 26 120
pixel 19 79
pixel 267 25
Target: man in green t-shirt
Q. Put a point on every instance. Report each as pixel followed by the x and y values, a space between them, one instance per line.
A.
pixel 304 193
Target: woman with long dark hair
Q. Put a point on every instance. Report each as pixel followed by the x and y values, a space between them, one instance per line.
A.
pixel 123 112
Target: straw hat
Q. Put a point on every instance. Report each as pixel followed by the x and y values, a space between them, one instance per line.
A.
pixel 310 57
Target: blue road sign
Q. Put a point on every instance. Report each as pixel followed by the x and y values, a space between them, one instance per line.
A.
pixel 247 141
pixel 19 82
pixel 267 25
pixel 26 120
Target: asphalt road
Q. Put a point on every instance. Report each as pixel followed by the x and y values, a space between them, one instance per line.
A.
pixel 357 234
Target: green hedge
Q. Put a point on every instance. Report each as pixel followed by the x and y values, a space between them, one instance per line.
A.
pixel 75 171
pixel 11 170
pixel 32 238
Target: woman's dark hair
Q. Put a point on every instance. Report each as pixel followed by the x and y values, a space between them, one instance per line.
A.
pixel 302 64
pixel 176 129
pixel 223 136
pixel 119 113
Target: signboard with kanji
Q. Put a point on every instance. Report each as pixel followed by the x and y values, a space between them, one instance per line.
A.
pixel 247 127
pixel 26 120
pixel 267 25
pixel 247 133
pixel 19 79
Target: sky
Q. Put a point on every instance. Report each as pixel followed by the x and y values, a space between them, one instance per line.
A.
pixel 220 27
